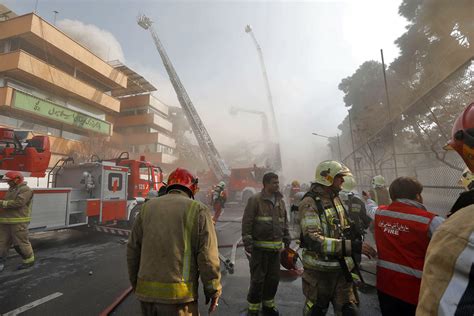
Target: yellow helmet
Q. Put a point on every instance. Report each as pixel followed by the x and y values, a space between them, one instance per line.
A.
pixel 467 179
pixel 295 183
pixel 327 170
pixel 378 181
pixel 349 183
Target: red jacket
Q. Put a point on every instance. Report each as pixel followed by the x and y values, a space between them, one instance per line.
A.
pixel 401 235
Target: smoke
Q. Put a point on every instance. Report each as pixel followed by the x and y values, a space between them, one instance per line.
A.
pixel 99 41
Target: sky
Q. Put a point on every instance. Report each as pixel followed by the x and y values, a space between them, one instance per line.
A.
pixel 308 47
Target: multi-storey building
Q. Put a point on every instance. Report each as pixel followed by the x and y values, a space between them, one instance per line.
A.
pixel 51 84
pixel 143 125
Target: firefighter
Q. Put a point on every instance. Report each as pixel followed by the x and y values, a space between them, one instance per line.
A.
pixel 403 230
pixel 295 188
pixel 379 192
pixel 173 242
pixel 218 199
pixel 15 216
pixel 356 209
pixel 264 231
pixel 447 285
pixel 328 240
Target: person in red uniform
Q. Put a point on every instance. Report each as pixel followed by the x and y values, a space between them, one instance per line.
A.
pixel 403 230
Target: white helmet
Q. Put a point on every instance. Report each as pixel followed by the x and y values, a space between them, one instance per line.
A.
pixel 378 181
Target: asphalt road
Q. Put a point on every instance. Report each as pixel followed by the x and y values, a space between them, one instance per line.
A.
pixel 62 276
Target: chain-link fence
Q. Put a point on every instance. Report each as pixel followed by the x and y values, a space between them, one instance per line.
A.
pixel 411 143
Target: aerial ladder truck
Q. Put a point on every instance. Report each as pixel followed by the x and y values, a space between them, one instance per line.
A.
pixel 241 182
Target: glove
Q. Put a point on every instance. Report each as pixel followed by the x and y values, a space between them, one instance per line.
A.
pixel 368 250
pixel 214 303
pixel 248 248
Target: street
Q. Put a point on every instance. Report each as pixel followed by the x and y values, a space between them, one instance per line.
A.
pixel 80 272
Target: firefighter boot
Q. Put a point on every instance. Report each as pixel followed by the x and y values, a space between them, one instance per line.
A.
pixel 269 308
pixel 27 263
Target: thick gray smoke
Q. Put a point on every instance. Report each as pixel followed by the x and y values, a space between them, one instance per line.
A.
pixel 99 41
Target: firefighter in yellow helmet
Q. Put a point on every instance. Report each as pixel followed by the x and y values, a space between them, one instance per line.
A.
pixel 379 192
pixel 15 216
pixel 447 285
pixel 327 245
pixel 173 243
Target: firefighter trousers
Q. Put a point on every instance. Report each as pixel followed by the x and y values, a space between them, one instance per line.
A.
pixel 159 309
pixel 264 276
pixel 16 234
pixel 323 287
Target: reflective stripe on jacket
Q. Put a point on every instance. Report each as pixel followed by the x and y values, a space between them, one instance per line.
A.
pixel 15 207
pixel 264 224
pixel 323 239
pixel 173 243
pixel 401 235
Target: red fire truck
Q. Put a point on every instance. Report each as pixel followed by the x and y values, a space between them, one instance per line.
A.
pixel 95 192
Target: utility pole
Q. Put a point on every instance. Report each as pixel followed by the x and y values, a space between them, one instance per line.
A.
pixel 389 116
pixel 55 14
pixel 278 163
pixel 356 170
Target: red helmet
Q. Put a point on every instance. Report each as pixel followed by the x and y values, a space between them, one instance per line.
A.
pixel 16 176
pixel 182 178
pixel 288 258
pixel 462 135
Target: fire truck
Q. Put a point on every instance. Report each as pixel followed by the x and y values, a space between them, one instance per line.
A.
pixel 91 193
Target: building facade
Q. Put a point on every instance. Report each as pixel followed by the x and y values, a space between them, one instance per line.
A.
pixel 52 85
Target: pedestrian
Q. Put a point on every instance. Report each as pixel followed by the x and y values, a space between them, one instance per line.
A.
pixel 402 232
pixel 264 232
pixel 173 242
pixel 447 285
pixel 15 216
pixel 328 241
pixel 379 192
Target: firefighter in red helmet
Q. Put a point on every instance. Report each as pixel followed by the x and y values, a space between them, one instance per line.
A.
pixel 447 282
pixel 15 216
pixel 168 284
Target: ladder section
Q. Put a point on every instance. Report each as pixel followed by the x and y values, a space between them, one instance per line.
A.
pixel 213 159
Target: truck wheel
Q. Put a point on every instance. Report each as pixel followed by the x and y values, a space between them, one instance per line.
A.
pixel 133 214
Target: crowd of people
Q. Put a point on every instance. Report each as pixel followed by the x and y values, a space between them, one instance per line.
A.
pixel 425 264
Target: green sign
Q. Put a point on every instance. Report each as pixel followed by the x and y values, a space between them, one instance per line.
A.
pixel 59 113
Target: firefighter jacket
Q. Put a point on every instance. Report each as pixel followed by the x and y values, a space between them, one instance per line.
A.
pixel 357 211
pixel 380 195
pixel 322 231
pixel 264 224
pixel 401 235
pixel 173 242
pixel 219 195
pixel 447 287
pixel 15 207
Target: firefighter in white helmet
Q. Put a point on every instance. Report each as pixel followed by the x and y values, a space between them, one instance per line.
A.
pixel 326 238
pixel 355 207
pixel 218 199
pixel 379 192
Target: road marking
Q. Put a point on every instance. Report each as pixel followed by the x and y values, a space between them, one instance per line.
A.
pixel 33 304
